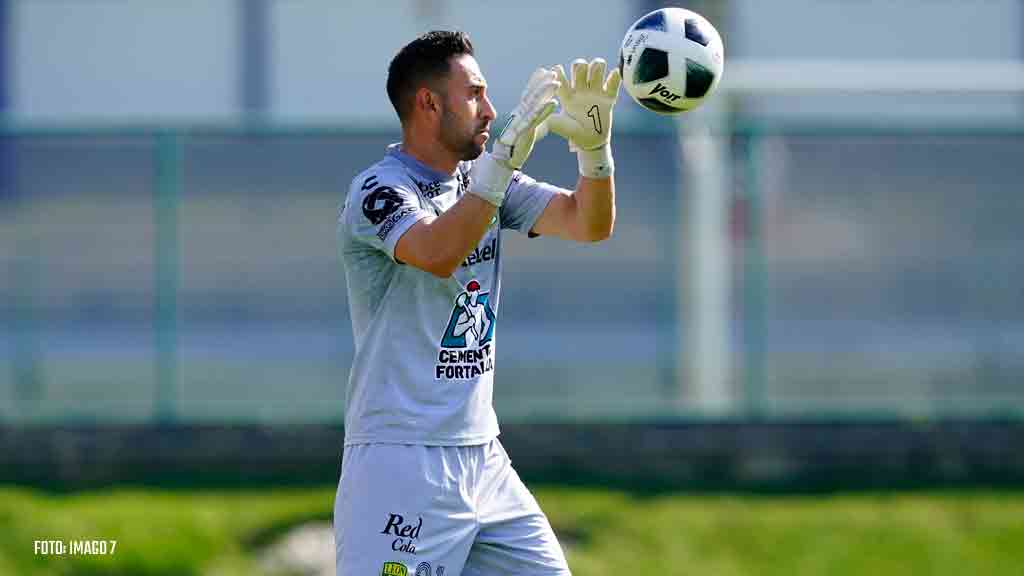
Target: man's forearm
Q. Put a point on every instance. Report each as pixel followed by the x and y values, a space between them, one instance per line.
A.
pixel 440 244
pixel 453 235
pixel 595 207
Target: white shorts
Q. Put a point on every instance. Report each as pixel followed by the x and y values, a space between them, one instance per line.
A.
pixel 406 510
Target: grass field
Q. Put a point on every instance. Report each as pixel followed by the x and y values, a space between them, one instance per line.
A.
pixel 206 532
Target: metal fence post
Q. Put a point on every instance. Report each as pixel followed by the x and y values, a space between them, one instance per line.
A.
pixel 706 379
pixel 753 283
pixel 254 56
pixel 166 189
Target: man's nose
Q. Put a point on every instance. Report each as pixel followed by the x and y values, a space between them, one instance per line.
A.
pixel 489 112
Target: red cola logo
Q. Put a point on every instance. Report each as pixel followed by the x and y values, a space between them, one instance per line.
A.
pixel 405 533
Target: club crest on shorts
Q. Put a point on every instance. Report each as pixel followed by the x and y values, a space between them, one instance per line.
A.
pixel 466 351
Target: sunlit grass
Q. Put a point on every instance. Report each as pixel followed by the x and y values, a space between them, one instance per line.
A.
pixel 201 532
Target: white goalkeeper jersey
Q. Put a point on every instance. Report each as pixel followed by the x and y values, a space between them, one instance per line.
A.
pixel 423 368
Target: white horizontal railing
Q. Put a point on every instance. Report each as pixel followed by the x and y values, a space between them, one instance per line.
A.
pixel 873 76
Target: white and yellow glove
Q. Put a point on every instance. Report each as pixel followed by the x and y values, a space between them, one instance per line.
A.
pixel 492 172
pixel 585 119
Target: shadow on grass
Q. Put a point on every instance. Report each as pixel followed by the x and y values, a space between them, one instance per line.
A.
pixel 644 458
pixel 273 532
pixel 852 481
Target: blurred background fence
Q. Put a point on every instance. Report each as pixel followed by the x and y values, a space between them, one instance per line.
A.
pixel 191 274
pixel 168 208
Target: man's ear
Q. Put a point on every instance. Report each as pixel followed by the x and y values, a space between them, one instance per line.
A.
pixel 427 100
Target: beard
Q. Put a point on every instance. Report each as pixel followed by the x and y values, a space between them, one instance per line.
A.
pixel 461 142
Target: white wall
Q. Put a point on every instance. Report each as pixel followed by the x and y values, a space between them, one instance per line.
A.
pixel 330 58
pixel 83 60
pixel 160 60
pixel 878 30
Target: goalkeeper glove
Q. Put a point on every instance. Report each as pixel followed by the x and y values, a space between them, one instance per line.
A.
pixel 585 119
pixel 492 172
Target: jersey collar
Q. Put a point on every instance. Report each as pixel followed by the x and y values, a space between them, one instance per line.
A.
pixel 428 173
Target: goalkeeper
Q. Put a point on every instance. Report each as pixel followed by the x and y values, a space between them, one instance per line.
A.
pixel 426 488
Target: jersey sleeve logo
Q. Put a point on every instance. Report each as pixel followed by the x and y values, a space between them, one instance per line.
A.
pixel 381 203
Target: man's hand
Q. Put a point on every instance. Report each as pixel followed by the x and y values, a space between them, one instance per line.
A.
pixel 516 139
pixel 585 119
pixel 586 116
pixel 492 172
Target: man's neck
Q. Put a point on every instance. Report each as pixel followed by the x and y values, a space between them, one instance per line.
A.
pixel 430 153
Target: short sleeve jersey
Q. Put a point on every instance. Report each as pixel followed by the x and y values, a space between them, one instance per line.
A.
pixel 423 369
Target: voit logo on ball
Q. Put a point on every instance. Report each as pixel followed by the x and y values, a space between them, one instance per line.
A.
pixel 671 60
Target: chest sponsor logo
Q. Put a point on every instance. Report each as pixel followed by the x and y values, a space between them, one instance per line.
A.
pixel 481 255
pixel 430 189
pixel 466 352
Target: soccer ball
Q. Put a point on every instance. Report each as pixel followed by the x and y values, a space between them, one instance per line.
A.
pixel 671 60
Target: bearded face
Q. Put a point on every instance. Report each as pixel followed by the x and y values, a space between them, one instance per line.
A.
pixel 461 135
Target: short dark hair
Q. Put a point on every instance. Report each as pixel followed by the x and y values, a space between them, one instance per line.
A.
pixel 425 59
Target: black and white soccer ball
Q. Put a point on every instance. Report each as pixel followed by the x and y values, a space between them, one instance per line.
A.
pixel 671 60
